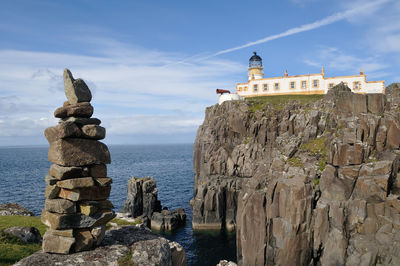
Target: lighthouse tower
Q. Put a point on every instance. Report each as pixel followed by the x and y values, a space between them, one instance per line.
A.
pixel 255 67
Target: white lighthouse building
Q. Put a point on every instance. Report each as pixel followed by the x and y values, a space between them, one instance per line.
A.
pixel 257 85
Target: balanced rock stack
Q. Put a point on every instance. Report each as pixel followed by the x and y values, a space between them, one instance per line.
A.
pixel 76 207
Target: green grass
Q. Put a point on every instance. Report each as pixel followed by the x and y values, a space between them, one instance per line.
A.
pixel 11 248
pixel 317 148
pixel 121 222
pixel 295 161
pixel 321 163
pixel 278 101
pixel 316 182
pixel 10 221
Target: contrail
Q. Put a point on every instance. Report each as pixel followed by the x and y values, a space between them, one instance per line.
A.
pixel 306 27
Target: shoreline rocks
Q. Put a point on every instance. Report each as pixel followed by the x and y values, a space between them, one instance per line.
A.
pixel 14 209
pixel 76 207
pixel 167 220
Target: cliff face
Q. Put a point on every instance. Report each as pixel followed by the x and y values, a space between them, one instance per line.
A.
pixel 312 181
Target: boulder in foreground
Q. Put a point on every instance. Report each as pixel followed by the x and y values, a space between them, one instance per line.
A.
pixel 131 245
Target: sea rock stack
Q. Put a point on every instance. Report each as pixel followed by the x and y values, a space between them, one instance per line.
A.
pixel 142 202
pixel 76 207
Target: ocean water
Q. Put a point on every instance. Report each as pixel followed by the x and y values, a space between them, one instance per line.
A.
pixel 22 172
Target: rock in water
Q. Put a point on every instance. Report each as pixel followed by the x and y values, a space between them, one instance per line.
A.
pixel 76 207
pixel 168 220
pixel 142 197
pixel 76 90
pixel 142 202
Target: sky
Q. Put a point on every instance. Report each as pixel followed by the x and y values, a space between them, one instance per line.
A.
pixel 153 66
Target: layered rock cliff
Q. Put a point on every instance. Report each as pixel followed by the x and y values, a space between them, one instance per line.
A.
pixel 303 179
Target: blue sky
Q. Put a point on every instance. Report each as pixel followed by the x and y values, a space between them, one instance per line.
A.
pixel 153 66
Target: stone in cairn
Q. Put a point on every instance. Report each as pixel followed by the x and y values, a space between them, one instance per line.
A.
pixel 76 207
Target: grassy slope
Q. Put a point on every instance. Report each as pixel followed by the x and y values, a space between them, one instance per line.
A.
pixel 11 248
pixel 278 101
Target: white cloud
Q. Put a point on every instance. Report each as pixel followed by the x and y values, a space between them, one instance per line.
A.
pixel 154 124
pixel 133 91
pixel 334 59
pixel 351 11
pixel 381 25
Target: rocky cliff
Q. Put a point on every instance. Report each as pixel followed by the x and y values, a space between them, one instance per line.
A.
pixel 303 179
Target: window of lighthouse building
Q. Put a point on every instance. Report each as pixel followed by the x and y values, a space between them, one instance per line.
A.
pixel 304 84
pixel 255 87
pixel 315 83
pixel 265 87
pixel 276 86
pixel 330 86
pixel 292 85
pixel 356 85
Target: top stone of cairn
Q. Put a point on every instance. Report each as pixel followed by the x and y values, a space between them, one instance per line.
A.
pixel 76 90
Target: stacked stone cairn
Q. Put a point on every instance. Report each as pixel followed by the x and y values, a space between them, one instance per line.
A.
pixel 76 207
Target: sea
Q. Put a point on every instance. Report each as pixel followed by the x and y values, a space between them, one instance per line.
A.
pixel 22 172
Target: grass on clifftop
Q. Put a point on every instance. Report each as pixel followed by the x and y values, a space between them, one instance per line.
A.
pixel 11 248
pixel 278 101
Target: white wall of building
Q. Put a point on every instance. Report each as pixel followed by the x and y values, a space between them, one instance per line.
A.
pixel 323 84
pixel 229 97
